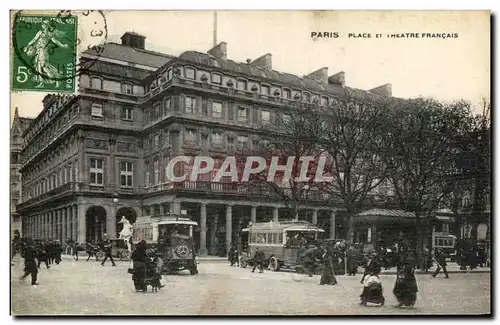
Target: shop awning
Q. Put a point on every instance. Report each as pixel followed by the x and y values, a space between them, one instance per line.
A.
pixel 384 215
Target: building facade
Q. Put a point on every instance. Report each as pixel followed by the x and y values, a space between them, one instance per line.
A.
pixel 19 125
pixel 92 158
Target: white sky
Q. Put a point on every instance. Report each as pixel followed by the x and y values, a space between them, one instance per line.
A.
pixel 446 69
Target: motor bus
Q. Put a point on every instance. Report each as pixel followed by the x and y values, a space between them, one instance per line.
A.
pixel 282 242
pixel 446 242
pixel 172 235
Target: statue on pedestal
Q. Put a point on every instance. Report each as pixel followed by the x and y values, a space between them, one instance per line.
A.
pixel 126 233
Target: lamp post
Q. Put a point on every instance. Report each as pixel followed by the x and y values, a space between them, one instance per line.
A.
pixel 115 203
pixel 306 189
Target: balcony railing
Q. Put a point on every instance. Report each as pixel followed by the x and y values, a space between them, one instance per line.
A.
pixel 54 193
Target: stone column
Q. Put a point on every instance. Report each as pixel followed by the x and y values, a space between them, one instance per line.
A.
pixel 275 214
pixel 69 231
pixel 49 224
pixel 253 215
pixel 229 226
pixel 332 225
pixel 35 220
pixel 59 224
pixel 75 222
pixel 82 227
pixel 203 232
pixel 64 224
pixel 315 217
pixel 44 226
pixel 111 222
pixel 374 235
pixel 38 226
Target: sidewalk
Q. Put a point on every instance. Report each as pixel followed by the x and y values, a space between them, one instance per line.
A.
pixel 451 267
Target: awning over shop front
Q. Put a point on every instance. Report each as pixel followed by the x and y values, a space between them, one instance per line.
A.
pixel 384 216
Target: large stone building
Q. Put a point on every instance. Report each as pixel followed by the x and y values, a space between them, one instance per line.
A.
pixel 19 125
pixel 92 158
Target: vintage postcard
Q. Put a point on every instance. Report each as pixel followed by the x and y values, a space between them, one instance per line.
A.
pixel 268 163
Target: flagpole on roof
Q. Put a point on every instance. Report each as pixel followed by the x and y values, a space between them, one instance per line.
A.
pixel 215 28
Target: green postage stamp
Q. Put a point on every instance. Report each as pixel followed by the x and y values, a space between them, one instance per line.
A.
pixel 44 52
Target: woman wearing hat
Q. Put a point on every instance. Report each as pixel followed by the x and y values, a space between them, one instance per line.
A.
pixel 140 259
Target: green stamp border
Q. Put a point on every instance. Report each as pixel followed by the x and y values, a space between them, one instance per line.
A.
pixel 15 51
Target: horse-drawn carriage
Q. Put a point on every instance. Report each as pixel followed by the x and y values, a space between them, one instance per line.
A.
pixel 119 249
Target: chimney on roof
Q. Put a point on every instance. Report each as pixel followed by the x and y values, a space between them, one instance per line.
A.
pixel 134 40
pixel 219 51
pixel 320 75
pixel 337 79
pixel 48 100
pixel 265 61
pixel 16 112
pixel 384 90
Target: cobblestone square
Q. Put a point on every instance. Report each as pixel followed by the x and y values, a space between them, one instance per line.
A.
pixel 87 288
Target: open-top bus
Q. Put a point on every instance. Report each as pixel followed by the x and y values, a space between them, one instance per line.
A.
pixel 281 242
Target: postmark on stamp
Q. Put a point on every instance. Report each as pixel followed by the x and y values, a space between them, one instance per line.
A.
pixel 46 47
pixel 44 57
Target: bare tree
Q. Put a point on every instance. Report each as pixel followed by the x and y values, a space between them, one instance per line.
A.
pixel 288 138
pixel 353 134
pixel 422 135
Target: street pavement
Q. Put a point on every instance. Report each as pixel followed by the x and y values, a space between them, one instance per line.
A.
pixel 87 288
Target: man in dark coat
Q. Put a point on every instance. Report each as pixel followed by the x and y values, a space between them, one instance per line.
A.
pixel 310 258
pixel 42 255
pixel 441 263
pixel 106 247
pixel 258 260
pixel 233 255
pixel 57 251
pixel 30 266
pixel 352 261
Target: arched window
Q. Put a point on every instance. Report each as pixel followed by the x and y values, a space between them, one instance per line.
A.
pixel 96 83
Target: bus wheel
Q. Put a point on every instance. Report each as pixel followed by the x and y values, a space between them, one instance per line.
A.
pixel 274 264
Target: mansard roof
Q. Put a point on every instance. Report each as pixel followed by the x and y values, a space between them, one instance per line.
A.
pixel 100 68
pixel 282 77
pixel 132 55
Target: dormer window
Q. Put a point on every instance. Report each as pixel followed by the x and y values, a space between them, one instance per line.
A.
pixel 96 83
pixel 189 73
pixel 169 73
pixel 287 93
pixel 127 88
pixel 216 78
pixel 264 90
pixel 307 97
pixel 242 85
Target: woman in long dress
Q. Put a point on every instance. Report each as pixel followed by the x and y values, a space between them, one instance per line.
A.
pixel 38 48
pixel 328 275
pixel 140 259
pixel 406 288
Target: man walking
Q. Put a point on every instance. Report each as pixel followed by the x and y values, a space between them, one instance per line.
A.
pixel 441 263
pixel 106 247
pixel 30 266
pixel 258 261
